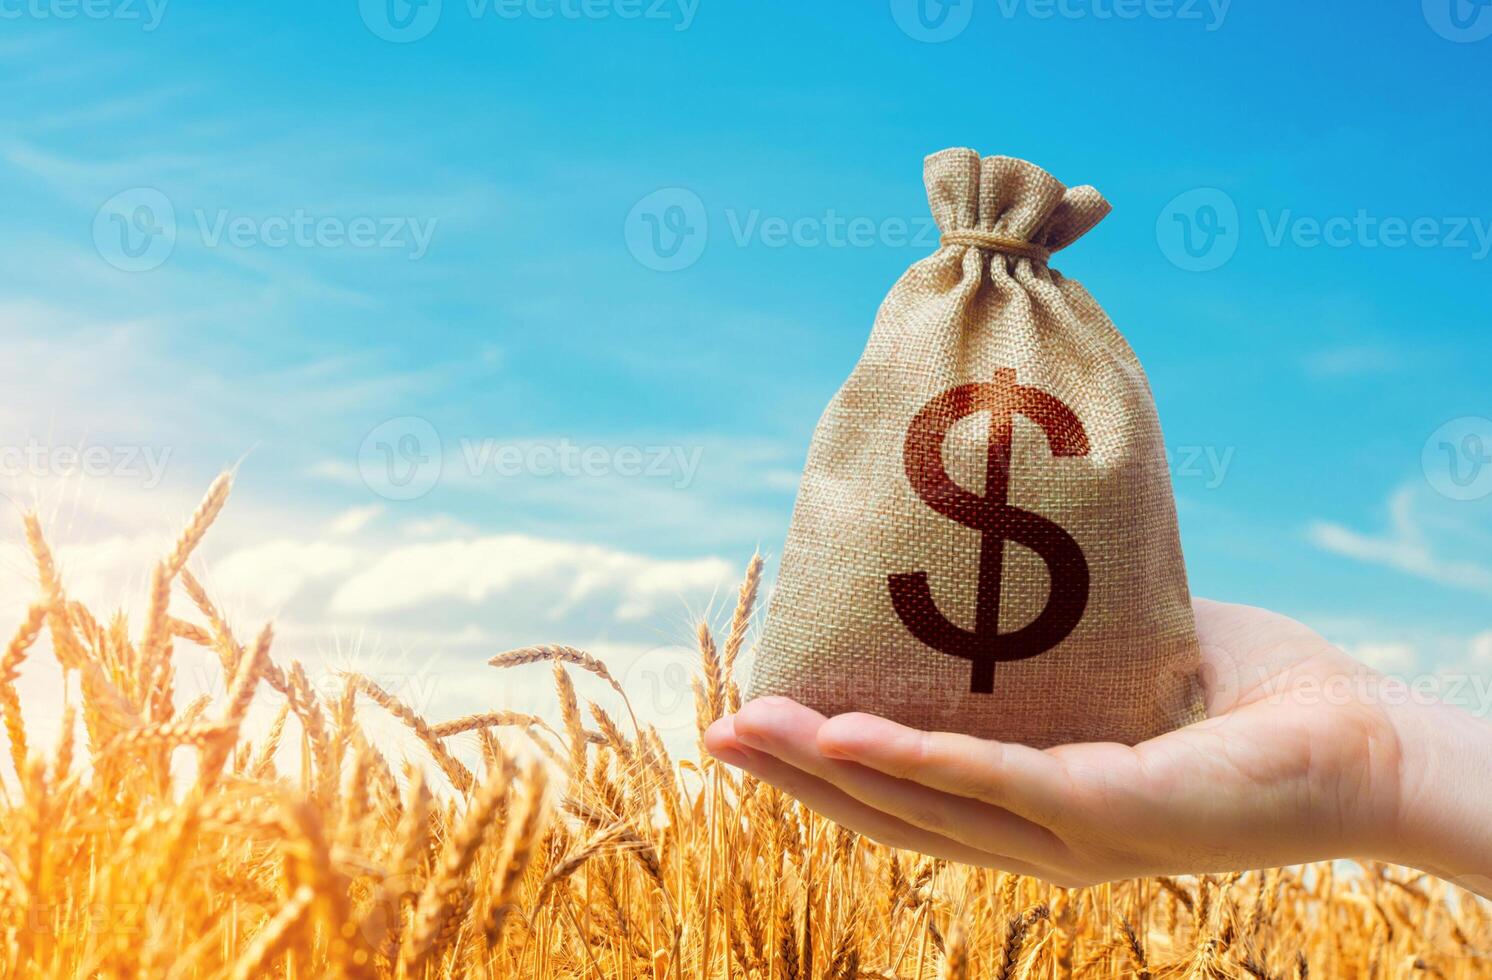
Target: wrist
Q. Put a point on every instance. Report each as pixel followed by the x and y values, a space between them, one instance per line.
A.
pixel 1443 807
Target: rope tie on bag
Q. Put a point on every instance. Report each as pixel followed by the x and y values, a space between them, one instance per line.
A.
pixel 997 243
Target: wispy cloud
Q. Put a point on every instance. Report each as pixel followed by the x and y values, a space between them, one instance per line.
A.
pixel 1355 360
pixel 1391 658
pixel 354 519
pixel 556 576
pixel 1405 546
pixel 116 109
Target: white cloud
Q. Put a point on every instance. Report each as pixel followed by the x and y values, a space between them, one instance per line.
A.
pixel 1404 546
pixel 354 519
pixel 1481 650
pixel 269 575
pixel 1453 669
pixel 1355 361
pixel 559 574
pixel 1390 658
pixel 435 526
pixel 420 616
pixel 336 470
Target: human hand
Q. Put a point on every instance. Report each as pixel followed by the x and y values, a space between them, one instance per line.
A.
pixel 1305 755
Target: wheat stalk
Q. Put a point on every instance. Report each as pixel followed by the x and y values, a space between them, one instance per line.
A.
pixel 438 904
pixel 740 623
pixel 10 702
pixel 481 720
pixel 645 867
pixel 458 774
pixel 517 852
pixel 569 655
pixel 157 627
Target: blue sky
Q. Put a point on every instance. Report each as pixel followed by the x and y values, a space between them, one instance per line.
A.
pixel 452 230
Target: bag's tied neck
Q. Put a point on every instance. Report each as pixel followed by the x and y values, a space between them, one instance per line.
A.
pixel 1002 204
pixel 997 243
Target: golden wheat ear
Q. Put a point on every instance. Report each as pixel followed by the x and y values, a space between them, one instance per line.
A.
pixel 643 867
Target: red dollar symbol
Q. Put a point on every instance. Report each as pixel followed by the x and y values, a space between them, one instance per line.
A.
pixel 999 522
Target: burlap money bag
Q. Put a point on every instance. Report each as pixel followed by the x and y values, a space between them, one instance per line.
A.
pixel 985 539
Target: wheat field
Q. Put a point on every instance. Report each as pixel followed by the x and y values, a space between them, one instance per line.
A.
pixel 576 848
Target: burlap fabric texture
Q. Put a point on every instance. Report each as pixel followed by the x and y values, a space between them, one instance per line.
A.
pixel 985 538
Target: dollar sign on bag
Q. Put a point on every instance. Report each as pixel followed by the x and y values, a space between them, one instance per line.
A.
pixel 997 521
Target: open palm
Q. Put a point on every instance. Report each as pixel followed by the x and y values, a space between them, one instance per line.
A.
pixel 1297 761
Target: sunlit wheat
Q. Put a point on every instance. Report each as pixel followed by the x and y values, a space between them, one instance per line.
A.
pixel 573 852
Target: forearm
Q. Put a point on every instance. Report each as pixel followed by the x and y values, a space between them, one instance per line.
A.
pixel 1445 796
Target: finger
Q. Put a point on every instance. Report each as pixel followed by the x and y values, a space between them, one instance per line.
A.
pixel 1031 783
pixel 721 741
pixel 791 732
pixel 830 802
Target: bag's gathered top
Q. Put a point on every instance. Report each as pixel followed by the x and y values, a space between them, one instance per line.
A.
pixel 1007 205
